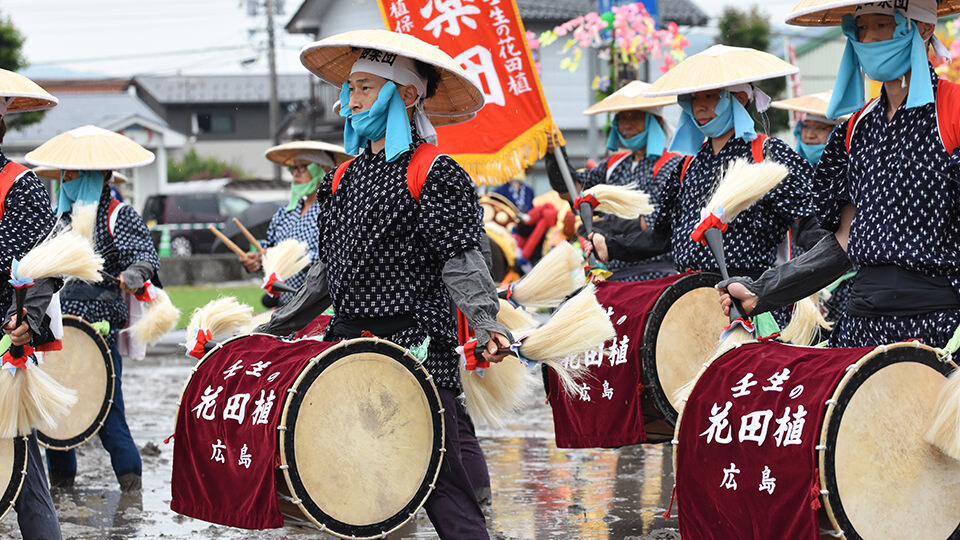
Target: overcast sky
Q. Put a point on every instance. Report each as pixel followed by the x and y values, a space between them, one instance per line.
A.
pixel 129 37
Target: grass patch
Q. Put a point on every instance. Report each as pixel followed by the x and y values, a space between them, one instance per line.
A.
pixel 189 297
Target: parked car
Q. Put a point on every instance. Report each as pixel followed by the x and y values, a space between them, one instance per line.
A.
pixel 187 215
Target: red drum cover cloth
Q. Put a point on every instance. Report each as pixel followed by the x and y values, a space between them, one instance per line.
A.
pixel 746 460
pixel 315 328
pixel 607 412
pixel 225 449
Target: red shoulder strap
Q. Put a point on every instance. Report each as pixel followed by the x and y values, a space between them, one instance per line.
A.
pixel 10 173
pixel 420 164
pixel 613 160
pixel 948 114
pixel 686 163
pixel 338 174
pixel 661 161
pixel 756 147
pixel 113 210
pixel 855 118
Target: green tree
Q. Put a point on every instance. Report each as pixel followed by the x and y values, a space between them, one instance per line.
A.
pixel 752 29
pixel 194 167
pixel 12 59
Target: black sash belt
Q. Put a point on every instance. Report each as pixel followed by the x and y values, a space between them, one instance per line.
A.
pixel 894 291
pixel 378 326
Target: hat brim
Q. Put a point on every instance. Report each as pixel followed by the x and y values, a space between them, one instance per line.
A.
pixel 831 12
pixel 90 148
pixel 22 94
pixel 458 92
pixel 631 98
pixel 54 174
pixel 500 202
pixel 286 154
pixel 810 104
pixel 719 67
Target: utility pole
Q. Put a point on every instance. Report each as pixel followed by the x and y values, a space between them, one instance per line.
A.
pixel 274 101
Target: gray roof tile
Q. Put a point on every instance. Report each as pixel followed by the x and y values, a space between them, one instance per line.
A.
pixel 224 88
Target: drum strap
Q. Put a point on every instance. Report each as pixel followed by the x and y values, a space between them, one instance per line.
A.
pixel 892 290
pixel 10 173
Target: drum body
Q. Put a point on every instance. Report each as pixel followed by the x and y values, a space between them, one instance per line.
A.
pixel 84 365
pixel 359 436
pixel 681 333
pixel 862 447
pixel 13 469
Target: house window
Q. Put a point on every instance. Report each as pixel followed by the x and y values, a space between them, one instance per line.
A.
pixel 217 122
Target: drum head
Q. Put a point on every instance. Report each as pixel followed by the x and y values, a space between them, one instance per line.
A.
pixel 681 333
pixel 84 364
pixel 363 439
pixel 13 469
pixel 884 480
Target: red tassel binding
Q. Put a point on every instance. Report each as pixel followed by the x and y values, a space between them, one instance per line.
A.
pixel 709 222
pixel 589 199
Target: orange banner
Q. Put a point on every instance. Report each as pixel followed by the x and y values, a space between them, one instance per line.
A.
pixel 487 38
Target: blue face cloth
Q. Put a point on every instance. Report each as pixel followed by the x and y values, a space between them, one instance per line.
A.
pixel 653 137
pixel 809 152
pixel 881 61
pixel 730 115
pixel 386 118
pixel 85 189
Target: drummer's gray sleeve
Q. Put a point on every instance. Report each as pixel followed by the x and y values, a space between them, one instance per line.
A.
pixel 310 301
pixel 137 274
pixel 468 280
pixel 36 303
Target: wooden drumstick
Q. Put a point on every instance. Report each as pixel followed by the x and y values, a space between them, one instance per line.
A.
pixel 226 241
pixel 253 241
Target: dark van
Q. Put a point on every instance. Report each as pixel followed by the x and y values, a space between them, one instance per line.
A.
pixel 187 215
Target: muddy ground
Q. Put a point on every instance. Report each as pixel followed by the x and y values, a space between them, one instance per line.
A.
pixel 539 491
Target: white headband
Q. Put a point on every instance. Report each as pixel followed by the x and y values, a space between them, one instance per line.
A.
pixel 392 67
pixel 753 93
pixel 924 11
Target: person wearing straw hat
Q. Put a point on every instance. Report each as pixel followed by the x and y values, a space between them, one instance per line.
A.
pixel 638 140
pixel 85 156
pixel 519 193
pixel 25 219
pixel 400 230
pixel 887 184
pixel 714 88
pixel 307 161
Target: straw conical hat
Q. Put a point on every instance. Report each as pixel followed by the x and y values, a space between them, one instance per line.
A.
pixel 829 12
pixel 54 174
pixel 815 104
pixel 19 94
pixel 719 66
pixel 630 98
pixel 90 148
pixel 332 58
pixel 315 151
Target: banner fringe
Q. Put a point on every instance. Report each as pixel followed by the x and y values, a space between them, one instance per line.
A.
pixel 497 168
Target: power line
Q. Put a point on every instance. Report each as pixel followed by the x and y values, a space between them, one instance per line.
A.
pixel 138 56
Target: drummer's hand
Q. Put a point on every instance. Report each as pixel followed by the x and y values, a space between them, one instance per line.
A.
pixel 496 341
pixel 553 140
pixel 748 301
pixel 123 286
pixel 251 261
pixel 598 244
pixel 19 335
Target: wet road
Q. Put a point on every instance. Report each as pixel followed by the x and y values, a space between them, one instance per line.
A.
pixel 539 491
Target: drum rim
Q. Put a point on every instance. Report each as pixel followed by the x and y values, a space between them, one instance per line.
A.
pixel 91 430
pixel 648 351
pixel 288 461
pixel 10 494
pixel 849 383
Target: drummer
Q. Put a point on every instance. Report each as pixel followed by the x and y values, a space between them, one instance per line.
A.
pixel 121 237
pixel 641 132
pixel 307 161
pixel 886 186
pixel 25 219
pixel 715 128
pixel 395 249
